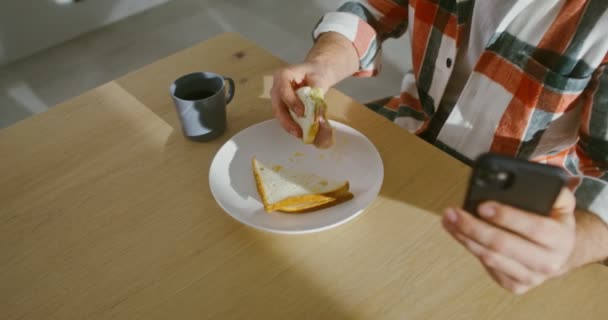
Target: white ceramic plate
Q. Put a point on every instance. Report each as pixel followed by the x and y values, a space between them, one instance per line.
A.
pixel 353 158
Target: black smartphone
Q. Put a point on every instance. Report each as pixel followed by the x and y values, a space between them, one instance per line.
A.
pixel 526 185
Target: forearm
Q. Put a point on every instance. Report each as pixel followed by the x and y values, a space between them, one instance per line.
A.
pixel 591 240
pixel 336 55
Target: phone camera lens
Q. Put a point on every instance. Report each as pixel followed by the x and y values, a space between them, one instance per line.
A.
pixel 502 176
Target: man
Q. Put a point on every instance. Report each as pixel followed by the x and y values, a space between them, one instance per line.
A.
pixel 523 78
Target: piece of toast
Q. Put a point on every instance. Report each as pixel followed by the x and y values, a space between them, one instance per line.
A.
pixel 314 109
pixel 295 192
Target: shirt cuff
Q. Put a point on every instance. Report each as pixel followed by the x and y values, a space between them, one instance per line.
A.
pixel 360 34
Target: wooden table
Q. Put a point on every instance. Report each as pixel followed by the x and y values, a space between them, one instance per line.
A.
pixel 105 212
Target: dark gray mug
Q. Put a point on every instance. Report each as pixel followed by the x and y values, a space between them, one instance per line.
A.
pixel 200 99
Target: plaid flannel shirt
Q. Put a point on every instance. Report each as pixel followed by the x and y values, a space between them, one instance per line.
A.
pixel 539 90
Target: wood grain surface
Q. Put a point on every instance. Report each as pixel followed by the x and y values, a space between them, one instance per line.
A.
pixel 106 213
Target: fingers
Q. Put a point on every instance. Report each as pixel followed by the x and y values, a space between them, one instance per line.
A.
pixel 325 135
pixel 286 81
pixel 280 94
pixel 281 113
pixel 502 242
pixel 284 97
pixel 519 249
pixel 536 228
pixel 507 282
pixel 499 263
pixel 508 273
pixel 563 210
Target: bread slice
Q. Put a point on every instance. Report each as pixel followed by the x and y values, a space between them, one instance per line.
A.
pixel 339 197
pixel 314 106
pixel 290 191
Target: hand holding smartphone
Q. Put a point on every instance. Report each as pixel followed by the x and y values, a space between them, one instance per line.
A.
pixel 522 184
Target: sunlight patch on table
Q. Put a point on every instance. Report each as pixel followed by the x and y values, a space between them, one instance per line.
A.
pixel 267 86
pixel 152 130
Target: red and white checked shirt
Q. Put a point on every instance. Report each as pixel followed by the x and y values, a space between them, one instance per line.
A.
pixel 538 91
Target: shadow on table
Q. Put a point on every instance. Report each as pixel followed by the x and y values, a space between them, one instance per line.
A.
pixel 240 273
pixel 197 261
pixel 259 262
pixel 411 174
pixel 268 276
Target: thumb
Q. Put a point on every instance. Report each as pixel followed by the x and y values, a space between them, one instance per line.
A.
pixel 563 209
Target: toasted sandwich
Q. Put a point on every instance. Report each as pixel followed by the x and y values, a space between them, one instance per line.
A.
pixel 286 190
pixel 314 119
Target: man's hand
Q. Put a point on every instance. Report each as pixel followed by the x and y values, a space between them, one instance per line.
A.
pixel 519 249
pixel 283 95
pixel 332 59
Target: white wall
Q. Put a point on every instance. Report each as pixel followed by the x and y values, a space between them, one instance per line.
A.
pixel 27 26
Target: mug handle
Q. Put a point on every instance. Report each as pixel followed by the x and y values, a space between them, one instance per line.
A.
pixel 230 93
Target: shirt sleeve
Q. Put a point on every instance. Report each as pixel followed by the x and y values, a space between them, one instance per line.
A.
pixel 367 24
pixel 592 148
